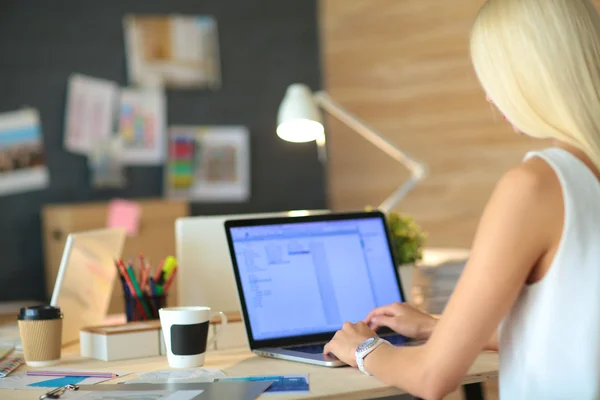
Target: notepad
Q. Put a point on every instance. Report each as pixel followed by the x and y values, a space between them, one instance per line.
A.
pixel 10 364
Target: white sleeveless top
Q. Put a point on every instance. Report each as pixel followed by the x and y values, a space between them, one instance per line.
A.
pixel 550 340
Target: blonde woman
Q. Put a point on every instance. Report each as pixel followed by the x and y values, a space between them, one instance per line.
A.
pixel 534 272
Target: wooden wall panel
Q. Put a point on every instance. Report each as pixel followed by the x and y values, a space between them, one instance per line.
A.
pixel 403 67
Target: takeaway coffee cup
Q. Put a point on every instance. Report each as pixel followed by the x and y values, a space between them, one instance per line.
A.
pixel 185 330
pixel 40 328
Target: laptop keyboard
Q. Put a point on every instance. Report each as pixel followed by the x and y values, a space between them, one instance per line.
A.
pixel 318 348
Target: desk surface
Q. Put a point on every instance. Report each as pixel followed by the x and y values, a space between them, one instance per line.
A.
pixel 325 383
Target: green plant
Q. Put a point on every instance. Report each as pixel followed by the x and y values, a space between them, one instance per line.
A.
pixel 407 236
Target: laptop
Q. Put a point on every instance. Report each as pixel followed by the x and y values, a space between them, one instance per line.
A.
pixel 85 279
pixel 299 279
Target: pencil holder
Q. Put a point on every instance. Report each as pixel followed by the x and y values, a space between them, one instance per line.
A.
pixel 144 308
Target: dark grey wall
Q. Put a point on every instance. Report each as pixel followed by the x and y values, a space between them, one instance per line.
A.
pixel 265 45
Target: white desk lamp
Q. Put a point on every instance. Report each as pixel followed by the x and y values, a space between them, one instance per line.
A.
pixel 299 121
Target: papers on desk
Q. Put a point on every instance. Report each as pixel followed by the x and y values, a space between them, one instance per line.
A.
pixel 280 383
pixel 195 375
pixel 137 395
pixel 209 390
pixel 433 285
pixel 21 381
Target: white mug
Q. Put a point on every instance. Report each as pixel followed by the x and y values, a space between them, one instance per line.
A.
pixel 185 330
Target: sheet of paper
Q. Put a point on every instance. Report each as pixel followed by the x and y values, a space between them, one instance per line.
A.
pixel 208 163
pixel 21 381
pixel 136 395
pixel 90 112
pixel 124 214
pixel 195 375
pixel 280 383
pixel 142 126
pixel 22 158
pixel 177 51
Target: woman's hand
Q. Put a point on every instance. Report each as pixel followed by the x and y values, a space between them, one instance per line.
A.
pixel 404 319
pixel 346 341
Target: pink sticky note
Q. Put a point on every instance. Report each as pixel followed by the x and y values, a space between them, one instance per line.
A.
pixel 124 214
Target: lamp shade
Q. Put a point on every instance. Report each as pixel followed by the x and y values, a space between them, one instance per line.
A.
pixel 299 119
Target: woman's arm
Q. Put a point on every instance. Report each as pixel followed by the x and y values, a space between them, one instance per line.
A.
pixel 407 320
pixel 492 344
pixel 511 238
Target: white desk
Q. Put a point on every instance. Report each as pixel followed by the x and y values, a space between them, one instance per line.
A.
pixel 325 383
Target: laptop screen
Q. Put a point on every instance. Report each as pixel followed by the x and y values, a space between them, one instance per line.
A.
pixel 310 277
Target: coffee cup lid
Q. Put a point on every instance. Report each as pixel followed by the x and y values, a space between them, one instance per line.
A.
pixel 38 313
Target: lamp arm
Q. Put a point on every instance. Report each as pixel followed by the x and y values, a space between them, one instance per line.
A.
pixel 417 169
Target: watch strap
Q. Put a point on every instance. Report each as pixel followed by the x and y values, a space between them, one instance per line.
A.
pixel 360 356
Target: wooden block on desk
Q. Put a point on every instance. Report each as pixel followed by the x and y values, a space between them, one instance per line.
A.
pixel 121 342
pixel 156 237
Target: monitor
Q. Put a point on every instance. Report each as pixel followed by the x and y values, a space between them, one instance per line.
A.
pixel 205 272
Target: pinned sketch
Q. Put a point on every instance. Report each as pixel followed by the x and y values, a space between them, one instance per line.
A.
pixel 22 160
pixel 178 51
pixel 142 126
pixel 90 112
pixel 208 163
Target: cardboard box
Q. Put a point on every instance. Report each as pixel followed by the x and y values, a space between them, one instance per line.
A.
pixel 155 239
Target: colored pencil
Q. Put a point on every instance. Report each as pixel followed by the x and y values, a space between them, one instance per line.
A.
pixel 73 373
pixel 126 278
pixel 170 281
pixel 138 291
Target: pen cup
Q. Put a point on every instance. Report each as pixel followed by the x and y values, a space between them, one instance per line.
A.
pixel 144 308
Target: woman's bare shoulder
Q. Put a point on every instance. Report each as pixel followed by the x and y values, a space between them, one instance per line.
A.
pixel 534 176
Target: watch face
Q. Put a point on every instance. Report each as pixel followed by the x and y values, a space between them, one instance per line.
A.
pixel 364 345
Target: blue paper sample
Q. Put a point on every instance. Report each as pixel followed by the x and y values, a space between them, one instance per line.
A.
pixel 56 382
pixel 281 383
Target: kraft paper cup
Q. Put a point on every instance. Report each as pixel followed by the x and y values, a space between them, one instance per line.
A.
pixel 41 335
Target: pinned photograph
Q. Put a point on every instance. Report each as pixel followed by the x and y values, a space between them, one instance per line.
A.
pixel 208 164
pixel 22 159
pixel 177 51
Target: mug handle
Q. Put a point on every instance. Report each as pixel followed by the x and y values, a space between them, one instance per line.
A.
pixel 219 330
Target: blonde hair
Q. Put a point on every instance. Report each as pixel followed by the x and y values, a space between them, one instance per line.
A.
pixel 539 62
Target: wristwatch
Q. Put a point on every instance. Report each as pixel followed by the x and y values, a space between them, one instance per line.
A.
pixel 365 348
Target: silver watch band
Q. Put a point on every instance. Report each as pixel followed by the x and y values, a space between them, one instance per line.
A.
pixel 363 351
